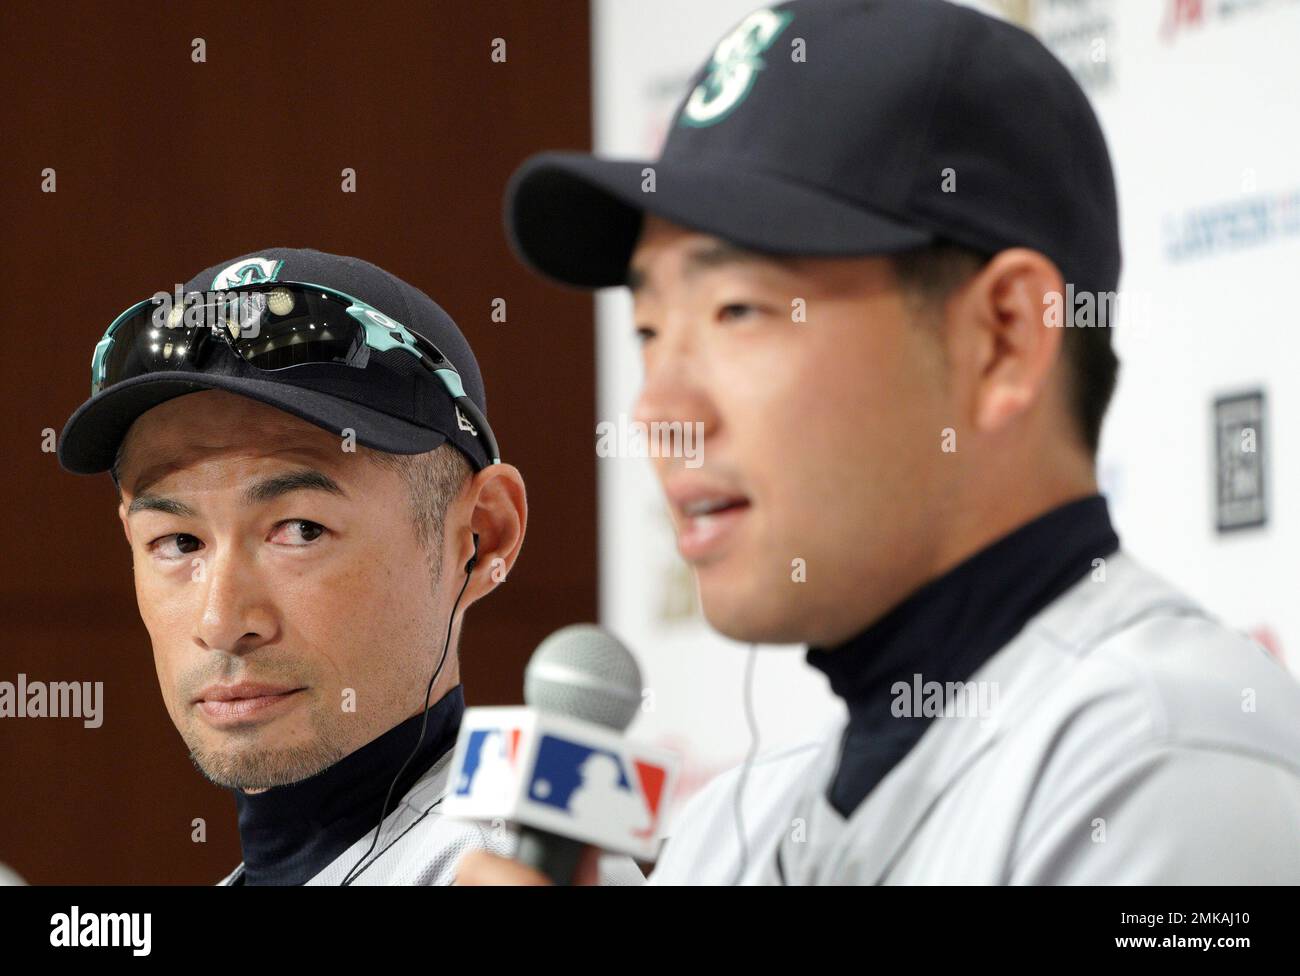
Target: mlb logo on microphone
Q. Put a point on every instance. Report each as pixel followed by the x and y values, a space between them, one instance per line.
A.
pixel 488 769
pixel 563 775
pixel 589 783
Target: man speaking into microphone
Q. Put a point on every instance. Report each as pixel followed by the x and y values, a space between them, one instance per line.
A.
pixel 848 268
pixel 312 497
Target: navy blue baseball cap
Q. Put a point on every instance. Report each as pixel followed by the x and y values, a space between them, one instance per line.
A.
pixel 397 371
pixel 846 128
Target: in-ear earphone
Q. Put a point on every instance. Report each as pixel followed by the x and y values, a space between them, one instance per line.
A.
pixel 473 560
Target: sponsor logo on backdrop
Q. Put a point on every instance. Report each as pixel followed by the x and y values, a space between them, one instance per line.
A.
pixel 1239 452
pixel 1183 16
pixel 1225 227
pixel 1079 32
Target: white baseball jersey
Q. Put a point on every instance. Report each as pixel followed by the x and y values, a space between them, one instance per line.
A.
pixel 1134 740
pixel 419 846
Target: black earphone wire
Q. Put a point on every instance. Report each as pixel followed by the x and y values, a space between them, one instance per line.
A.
pixel 424 723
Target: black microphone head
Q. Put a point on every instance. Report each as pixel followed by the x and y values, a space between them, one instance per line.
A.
pixel 586 673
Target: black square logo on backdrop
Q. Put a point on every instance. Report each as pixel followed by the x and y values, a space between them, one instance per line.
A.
pixel 1239 461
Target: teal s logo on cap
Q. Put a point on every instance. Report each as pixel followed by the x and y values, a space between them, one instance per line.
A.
pixel 249 271
pixel 736 63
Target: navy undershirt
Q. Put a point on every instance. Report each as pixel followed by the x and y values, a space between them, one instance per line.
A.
pixel 289 834
pixel 949 627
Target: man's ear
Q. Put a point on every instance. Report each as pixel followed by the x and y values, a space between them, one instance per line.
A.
pixel 121 514
pixel 498 515
pixel 1011 353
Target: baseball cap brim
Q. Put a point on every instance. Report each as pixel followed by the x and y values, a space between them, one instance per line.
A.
pixel 575 218
pixel 90 438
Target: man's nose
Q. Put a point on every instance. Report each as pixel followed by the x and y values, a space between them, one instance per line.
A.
pixel 675 390
pixel 234 613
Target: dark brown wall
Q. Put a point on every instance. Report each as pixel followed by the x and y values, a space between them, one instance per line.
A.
pixel 165 167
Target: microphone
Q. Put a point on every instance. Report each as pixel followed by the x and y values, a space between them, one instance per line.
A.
pixel 586 673
pixel 561 767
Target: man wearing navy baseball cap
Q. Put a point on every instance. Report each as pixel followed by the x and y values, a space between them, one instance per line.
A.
pixel 848 265
pixel 313 497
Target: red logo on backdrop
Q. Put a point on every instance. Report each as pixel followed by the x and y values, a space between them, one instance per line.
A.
pixel 1180 14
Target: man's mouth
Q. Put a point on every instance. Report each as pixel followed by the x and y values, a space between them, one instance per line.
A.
pixel 706 518
pixel 244 701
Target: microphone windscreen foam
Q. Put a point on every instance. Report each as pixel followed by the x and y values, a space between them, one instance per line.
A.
pixel 586 673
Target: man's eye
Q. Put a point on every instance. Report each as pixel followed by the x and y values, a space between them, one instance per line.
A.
pixel 644 334
pixel 306 532
pixel 735 310
pixel 175 546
